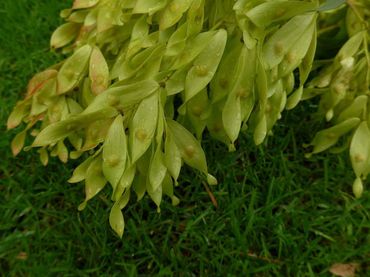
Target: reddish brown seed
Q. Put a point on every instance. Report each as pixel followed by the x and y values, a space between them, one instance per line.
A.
pixel 113 160
pixel 201 70
pixel 197 111
pixel 113 100
pixel 173 7
pixel 278 47
pixel 224 83
pixel 290 57
pixel 217 127
pixel 141 134
pixel 359 158
pixel 331 135
pixel 242 93
pixel 189 151
pixel 280 12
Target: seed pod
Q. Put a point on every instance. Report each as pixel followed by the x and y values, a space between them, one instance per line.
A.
pixel 176 83
pixel 39 80
pixel 62 129
pixel 275 105
pixel 177 41
pixel 173 13
pixel 139 34
pixel 89 23
pixel 285 38
pixel 73 107
pixel 73 69
pixel 53 151
pixel 79 174
pixel 125 183
pixel 124 95
pixel 335 95
pixel 204 68
pixel 120 60
pixel 247 106
pixel 195 17
pixel 247 28
pixel 64 34
pixel 161 119
pixel 95 133
pixel 167 189
pixel 193 48
pixel 125 198
pixel 361 72
pixel 157 170
pixel 152 65
pixel 357 188
pixel 74 155
pixel 262 85
pixel 172 156
pixel 44 157
pixel 224 79
pixel 62 152
pixel 219 10
pixel 294 99
pixel 116 220
pixel 241 89
pixel 260 131
pixel 94 182
pixel 328 137
pixel 65 13
pixel 288 83
pixel 269 13
pixel 98 72
pixel 231 117
pixel 142 126
pixel 215 125
pixel 139 61
pixel 360 149
pixel 18 114
pixel 139 186
pixel 155 195
pixel 149 6
pixel 274 86
pixel 306 64
pixel 330 5
pixel 115 152
pixel 211 180
pixel 78 16
pixel 196 112
pixel 64 111
pixel 350 47
pixel 86 94
pixel 104 20
pixel 18 142
pixel 298 51
pixel 190 149
pixel 355 109
pixel 83 4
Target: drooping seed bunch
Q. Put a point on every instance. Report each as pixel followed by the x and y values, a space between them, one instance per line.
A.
pixel 146 78
pixel 344 87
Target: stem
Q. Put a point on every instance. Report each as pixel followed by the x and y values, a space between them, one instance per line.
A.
pixel 352 5
pixel 367 58
pixel 327 29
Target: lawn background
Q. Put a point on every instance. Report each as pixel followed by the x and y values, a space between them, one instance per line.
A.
pixel 278 213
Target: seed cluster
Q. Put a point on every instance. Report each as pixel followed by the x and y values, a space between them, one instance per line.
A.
pixel 145 78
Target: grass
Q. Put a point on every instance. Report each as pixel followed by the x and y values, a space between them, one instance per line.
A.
pixel 278 213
